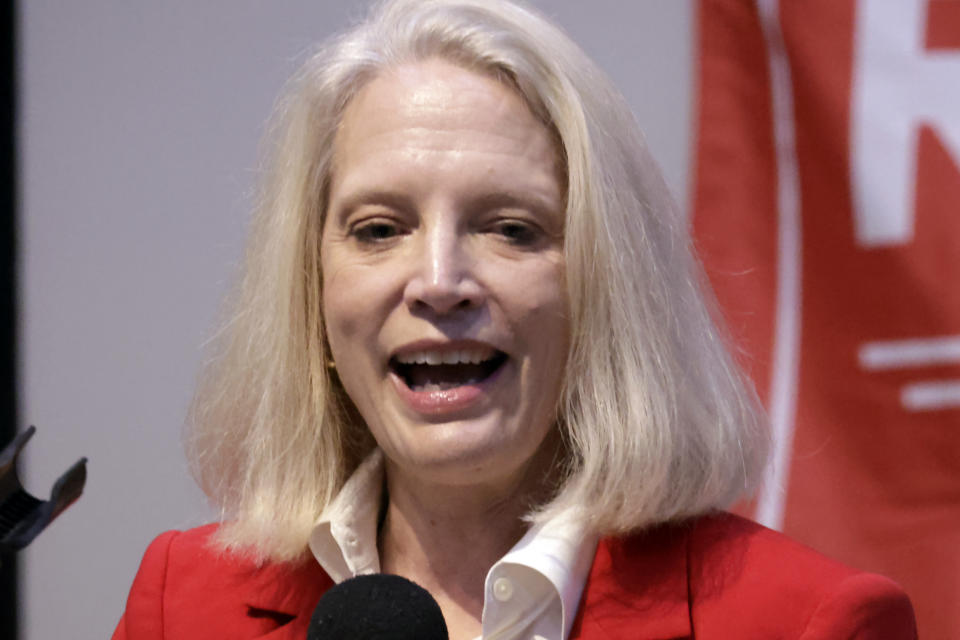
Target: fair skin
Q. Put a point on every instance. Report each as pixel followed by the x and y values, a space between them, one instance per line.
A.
pixel 445 310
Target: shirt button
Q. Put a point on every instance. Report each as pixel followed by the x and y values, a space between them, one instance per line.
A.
pixel 502 589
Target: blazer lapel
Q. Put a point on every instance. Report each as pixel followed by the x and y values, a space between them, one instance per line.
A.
pixel 637 588
pixel 284 596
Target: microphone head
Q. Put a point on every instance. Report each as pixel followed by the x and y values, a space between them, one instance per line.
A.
pixel 377 607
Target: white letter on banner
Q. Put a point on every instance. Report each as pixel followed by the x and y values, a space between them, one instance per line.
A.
pixel 896 87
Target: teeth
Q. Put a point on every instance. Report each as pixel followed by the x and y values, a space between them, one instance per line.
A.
pixel 454 356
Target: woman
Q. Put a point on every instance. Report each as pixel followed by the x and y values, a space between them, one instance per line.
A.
pixel 471 348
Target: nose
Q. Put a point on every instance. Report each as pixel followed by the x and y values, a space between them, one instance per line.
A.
pixel 443 278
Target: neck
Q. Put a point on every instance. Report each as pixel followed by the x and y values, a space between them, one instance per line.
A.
pixel 447 538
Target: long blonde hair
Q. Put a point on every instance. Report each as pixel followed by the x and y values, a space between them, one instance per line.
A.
pixel 658 421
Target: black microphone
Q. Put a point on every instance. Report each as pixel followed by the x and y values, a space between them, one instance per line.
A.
pixel 379 606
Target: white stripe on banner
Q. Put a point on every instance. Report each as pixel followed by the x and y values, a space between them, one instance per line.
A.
pixel 931 396
pixel 785 363
pixel 912 352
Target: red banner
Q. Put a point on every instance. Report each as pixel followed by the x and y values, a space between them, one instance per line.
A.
pixel 827 212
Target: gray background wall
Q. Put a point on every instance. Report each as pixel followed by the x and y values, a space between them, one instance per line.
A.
pixel 139 125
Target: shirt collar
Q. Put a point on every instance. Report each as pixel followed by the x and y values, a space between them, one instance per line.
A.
pixel 557 554
pixel 344 539
pixel 534 590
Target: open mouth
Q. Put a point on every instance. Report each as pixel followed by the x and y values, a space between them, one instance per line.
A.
pixel 441 370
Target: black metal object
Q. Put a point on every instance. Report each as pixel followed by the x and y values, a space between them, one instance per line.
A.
pixel 22 516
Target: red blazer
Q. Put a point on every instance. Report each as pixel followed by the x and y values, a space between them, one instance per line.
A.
pixel 719 576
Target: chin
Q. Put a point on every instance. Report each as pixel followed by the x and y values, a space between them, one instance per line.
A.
pixel 461 454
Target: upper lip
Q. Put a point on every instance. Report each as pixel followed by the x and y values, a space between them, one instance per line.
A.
pixel 440 348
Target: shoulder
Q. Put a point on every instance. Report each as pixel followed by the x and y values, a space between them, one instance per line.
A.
pixel 785 584
pixel 186 561
pixel 185 578
pixel 191 548
pixel 722 576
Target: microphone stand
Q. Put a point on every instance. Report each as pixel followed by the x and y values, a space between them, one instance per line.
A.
pixel 22 516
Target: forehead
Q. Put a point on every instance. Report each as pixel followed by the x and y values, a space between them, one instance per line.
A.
pixel 438 103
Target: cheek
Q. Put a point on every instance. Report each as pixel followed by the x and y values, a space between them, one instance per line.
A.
pixel 539 302
pixel 343 306
pixel 538 312
pixel 345 281
pixel 357 301
pixel 336 305
pixel 347 336
pixel 554 329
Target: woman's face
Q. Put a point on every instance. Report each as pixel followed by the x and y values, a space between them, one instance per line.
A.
pixel 443 273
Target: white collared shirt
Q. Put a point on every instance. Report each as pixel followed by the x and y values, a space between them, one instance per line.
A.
pixel 531 593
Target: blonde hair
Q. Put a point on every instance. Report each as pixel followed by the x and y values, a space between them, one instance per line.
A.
pixel 658 421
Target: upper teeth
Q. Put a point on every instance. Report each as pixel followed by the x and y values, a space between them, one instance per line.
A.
pixel 455 356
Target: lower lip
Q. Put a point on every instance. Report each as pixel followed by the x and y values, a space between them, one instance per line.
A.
pixel 447 401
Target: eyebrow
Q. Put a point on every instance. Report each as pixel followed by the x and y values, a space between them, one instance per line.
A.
pixel 382 197
pixel 513 200
pixel 484 202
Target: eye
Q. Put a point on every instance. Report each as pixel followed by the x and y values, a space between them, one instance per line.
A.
pixel 517 232
pixel 375 231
